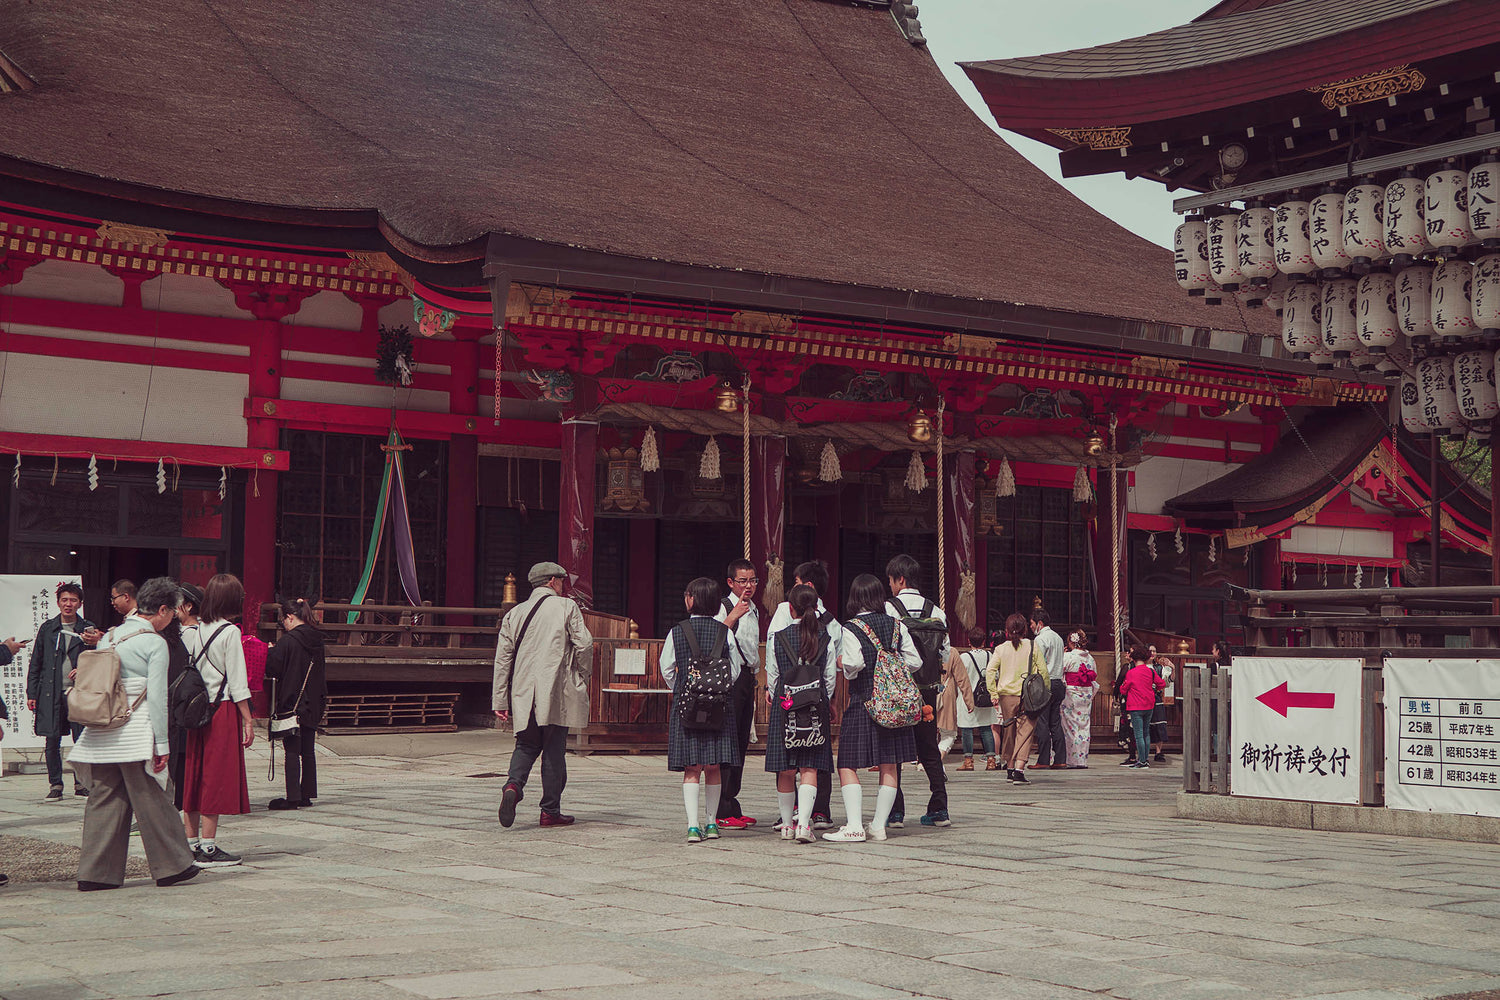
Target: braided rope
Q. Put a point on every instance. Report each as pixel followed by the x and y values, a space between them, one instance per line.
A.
pixel 745 456
pixel 1116 515
pixel 942 561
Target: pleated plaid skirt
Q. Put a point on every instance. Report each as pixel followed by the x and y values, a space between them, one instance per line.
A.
pixel 779 758
pixel 697 747
pixel 863 742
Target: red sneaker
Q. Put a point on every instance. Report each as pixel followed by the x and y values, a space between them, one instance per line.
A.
pixel 748 820
pixel 556 819
pixel 731 823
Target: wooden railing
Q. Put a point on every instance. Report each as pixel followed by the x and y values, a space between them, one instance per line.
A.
pixel 1372 623
pixel 404 627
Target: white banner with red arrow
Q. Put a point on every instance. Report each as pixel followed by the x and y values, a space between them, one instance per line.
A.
pixel 1294 729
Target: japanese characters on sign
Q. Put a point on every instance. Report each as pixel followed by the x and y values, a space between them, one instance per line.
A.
pixel 1443 723
pixel 1295 725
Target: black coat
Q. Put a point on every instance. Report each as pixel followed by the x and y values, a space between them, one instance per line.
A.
pixel 298 655
pixel 53 657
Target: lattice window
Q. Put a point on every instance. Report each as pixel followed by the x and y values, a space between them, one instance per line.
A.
pixel 1041 551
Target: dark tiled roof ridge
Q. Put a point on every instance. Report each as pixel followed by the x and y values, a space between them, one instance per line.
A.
pixel 1207 42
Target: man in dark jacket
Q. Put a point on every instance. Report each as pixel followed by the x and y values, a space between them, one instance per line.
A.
pixel 54 656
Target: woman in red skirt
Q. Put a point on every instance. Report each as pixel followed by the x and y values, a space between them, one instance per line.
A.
pixel 213 780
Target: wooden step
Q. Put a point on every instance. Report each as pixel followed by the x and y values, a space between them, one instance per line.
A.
pixel 406 711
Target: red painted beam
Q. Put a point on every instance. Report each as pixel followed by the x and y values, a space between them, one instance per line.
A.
pixel 413 423
pixel 143 451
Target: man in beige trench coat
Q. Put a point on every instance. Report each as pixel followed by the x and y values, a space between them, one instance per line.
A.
pixel 542 664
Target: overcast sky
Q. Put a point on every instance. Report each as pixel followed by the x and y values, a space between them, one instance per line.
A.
pixel 967 30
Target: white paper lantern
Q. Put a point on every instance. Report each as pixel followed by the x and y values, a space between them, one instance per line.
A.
pixel 1256 247
pixel 1223 264
pixel 1439 402
pixel 1364 228
pixel 1378 327
pixel 1301 321
pixel 1484 190
pixel 1485 296
pixel 1190 256
pixel 1411 406
pixel 1405 228
pixel 1396 360
pixel 1340 326
pixel 1290 239
pixel 1276 291
pixel 1325 223
pixel 1474 383
pixel 1414 304
pixel 1447 210
pixel 1452 311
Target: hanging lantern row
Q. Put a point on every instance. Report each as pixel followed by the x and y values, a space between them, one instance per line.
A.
pixel 1453 396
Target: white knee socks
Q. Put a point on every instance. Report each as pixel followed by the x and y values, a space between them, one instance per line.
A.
pixel 854 805
pixel 806 795
pixel 690 800
pixel 787 801
pixel 885 798
pixel 711 802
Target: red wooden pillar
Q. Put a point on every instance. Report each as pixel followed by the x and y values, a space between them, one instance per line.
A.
pixel 463 476
pixel 958 531
pixel 640 603
pixel 575 517
pixel 258 567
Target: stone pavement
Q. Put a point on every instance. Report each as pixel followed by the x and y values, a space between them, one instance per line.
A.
pixel 400 884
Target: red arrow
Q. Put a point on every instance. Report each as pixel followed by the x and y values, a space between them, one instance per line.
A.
pixel 1279 699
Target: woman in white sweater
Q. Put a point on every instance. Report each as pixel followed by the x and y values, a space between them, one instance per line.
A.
pixel 214 782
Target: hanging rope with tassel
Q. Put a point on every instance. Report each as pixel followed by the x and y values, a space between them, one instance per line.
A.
pixel 774 591
pixel 650 458
pixel 745 471
pixel 1116 512
pixel 708 465
pixel 829 470
pixel 942 558
pixel 1005 482
pixel 916 473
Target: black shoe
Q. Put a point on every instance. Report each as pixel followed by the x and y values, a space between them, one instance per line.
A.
pixel 1127 762
pixel 277 805
pixel 189 872
pixel 508 800
pixel 80 791
pixel 4 879
pixel 97 886
pixel 304 803
pixel 54 794
pixel 1161 758
pixel 215 857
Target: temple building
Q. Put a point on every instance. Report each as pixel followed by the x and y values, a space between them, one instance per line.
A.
pixel 645 287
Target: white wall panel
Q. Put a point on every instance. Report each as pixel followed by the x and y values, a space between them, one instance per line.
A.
pixel 1366 542
pixel 313 391
pixel 1159 479
pixel 68 281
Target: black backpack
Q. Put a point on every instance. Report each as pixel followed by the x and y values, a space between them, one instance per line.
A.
pixel 802 683
pixel 706 686
pixel 929 634
pixel 982 696
pixel 190 707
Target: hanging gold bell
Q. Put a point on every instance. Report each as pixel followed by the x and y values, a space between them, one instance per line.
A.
pixel 726 398
pixel 919 427
pixel 1094 443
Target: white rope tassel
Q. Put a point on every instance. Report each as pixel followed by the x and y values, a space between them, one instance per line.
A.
pixel 161 476
pixel 15 474
pixel 93 473
pixel 1359 577
pixel 1082 491
pixel 1213 551
pixel 916 474
pixel 829 468
pixel 774 592
pixel 1151 546
pixel 708 465
pixel 223 482
pixel 1177 540
pixel 1005 481
pixel 965 610
pixel 650 459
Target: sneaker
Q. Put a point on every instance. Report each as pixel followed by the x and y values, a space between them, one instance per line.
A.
pixel 776 825
pixel 847 835
pixel 896 822
pixel 1127 762
pixel 695 835
pixel 732 823
pixel 508 800
pixel 820 821
pixel 83 793
pixel 747 821
pixel 54 794
pixel 711 831
pixel 1020 778
pixel 1161 758
pixel 967 765
pixel 1140 765
pixel 554 819
pixel 214 857
pixel 992 764
pixel 805 835
pixel 788 831
pixel 939 818
pixel 873 832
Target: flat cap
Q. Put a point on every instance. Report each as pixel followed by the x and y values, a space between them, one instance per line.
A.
pixel 544 571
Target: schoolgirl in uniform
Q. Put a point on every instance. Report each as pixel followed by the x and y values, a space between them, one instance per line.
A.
pixel 698 753
pixel 806 641
pixel 863 743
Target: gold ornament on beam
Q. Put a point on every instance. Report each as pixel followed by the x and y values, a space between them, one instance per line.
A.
pixel 726 398
pixel 919 427
pixel 1093 444
pixel 624 482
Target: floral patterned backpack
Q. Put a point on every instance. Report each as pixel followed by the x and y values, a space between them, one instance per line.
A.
pixel 895 701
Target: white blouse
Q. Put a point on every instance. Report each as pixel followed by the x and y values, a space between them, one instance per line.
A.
pixel 773 665
pixel 902 645
pixel 781 618
pixel 226 653
pixel 668 662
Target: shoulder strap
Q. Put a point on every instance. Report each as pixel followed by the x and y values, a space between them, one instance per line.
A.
pixel 825 618
pixel 203 654
pixel 527 624
pixel 727 605
pixel 694 650
pixel 926 609
pixel 864 627
pixel 718 653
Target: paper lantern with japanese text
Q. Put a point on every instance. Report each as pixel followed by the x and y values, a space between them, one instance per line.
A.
pixel 1364 228
pixel 1340 324
pixel 1411 406
pixel 1484 189
pixel 1223 264
pixel 1190 256
pixel 1378 327
pixel 1485 297
pixel 1446 209
pixel 1396 360
pixel 1452 310
pixel 1474 383
pixel 1301 321
pixel 1276 291
pixel 1290 239
pixel 1255 248
pixel 1414 304
pixel 1405 228
pixel 1440 410
pixel 1325 222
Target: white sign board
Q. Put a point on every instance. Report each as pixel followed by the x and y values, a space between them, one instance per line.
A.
pixel 1295 728
pixel 25 602
pixel 1442 735
pixel 630 662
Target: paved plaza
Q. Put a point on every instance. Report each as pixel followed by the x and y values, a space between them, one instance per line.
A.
pixel 400 885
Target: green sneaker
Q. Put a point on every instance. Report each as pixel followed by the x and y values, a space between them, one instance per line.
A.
pixel 695 835
pixel 711 831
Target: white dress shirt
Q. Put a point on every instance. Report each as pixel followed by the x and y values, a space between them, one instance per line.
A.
pixel 901 645
pixel 773 663
pixel 782 618
pixel 912 600
pixel 668 662
pixel 746 631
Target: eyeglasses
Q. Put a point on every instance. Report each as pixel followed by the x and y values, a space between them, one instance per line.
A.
pixel 751 580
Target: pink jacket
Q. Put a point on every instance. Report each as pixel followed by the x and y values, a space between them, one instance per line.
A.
pixel 1140 687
